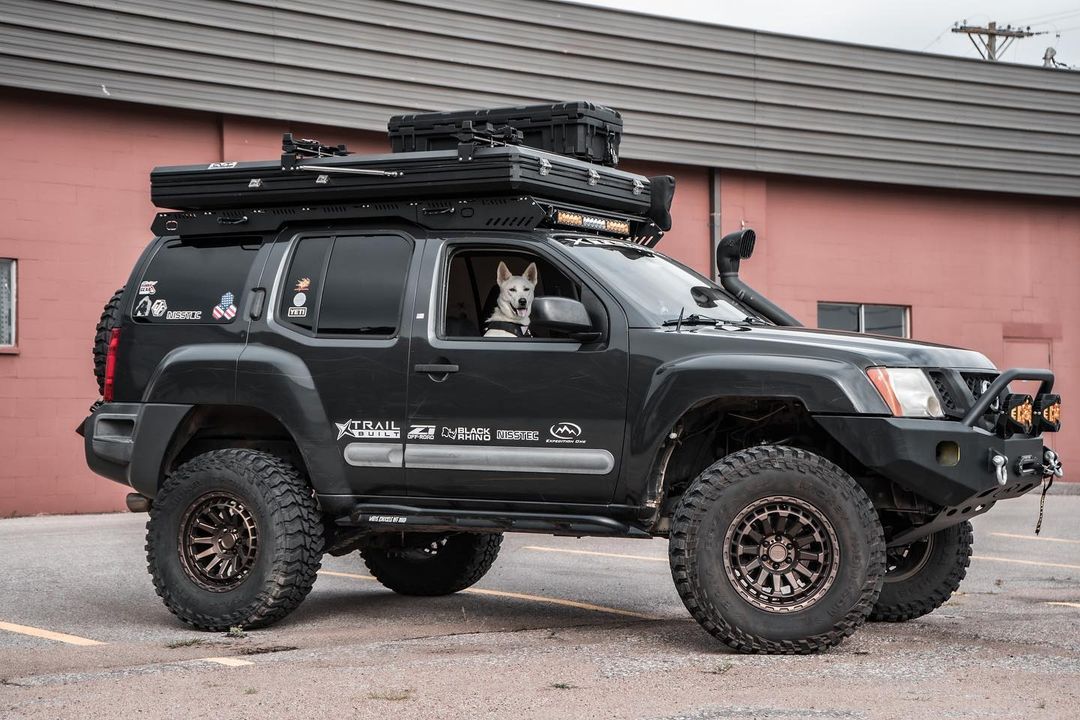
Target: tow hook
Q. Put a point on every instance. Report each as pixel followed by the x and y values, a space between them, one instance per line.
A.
pixel 1000 465
pixel 1051 469
pixel 1052 464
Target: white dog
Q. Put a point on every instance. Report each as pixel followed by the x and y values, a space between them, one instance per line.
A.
pixel 511 316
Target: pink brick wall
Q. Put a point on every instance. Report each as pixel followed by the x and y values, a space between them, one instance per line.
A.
pixel 978 270
pixel 75 206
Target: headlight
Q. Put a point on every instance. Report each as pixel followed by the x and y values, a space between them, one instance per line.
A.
pixel 907 392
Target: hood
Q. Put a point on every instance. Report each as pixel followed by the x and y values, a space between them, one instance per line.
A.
pixel 857 348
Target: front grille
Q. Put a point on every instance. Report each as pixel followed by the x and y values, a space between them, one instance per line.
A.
pixel 948 403
pixel 978 382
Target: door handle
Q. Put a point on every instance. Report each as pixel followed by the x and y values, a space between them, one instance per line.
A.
pixel 257 303
pixel 436 368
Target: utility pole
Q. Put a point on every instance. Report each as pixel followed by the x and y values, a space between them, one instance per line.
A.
pixel 988 37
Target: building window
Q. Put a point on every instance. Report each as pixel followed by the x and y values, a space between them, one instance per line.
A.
pixel 892 320
pixel 7 303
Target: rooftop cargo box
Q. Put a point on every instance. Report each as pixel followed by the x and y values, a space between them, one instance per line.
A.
pixel 576 129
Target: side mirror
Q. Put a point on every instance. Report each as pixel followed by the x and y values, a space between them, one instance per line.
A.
pixel 565 315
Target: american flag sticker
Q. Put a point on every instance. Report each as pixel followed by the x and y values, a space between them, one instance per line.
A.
pixel 225 310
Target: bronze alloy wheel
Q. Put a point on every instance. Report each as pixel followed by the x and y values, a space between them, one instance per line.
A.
pixel 906 562
pixel 781 554
pixel 218 542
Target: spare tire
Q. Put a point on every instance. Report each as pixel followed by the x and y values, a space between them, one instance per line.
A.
pixel 110 318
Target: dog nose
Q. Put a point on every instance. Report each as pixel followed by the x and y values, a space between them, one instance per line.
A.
pixel 522 302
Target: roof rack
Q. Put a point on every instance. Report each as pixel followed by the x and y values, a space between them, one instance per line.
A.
pixel 502 213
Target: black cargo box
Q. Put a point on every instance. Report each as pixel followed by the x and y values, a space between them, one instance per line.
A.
pixel 491 171
pixel 576 129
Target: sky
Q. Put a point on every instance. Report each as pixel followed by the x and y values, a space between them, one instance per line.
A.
pixel 918 25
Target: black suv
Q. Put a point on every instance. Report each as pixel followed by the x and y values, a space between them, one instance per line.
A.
pixel 298 365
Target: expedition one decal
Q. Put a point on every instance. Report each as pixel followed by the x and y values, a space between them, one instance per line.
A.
pixel 369 429
pixel 564 432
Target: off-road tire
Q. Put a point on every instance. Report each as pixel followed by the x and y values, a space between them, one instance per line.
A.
pixel 110 318
pixel 289 532
pixel 460 563
pixel 934 582
pixel 715 501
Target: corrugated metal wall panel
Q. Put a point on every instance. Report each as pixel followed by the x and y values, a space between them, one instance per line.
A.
pixel 691 93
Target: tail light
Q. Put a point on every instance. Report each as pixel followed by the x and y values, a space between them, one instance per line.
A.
pixel 110 365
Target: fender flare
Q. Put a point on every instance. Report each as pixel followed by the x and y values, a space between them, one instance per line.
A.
pixel 822 385
pixel 269 379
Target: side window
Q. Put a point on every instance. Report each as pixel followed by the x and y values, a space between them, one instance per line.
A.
pixel 348 285
pixel 304 281
pixel 471 288
pixel 195 282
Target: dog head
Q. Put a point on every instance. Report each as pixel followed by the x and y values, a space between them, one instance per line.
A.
pixel 516 292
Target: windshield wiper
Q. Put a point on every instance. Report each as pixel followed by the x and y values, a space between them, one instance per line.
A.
pixel 693 319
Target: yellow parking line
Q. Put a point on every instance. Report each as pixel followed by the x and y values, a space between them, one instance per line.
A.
pixel 228 661
pixel 594 553
pixel 48 634
pixel 1026 562
pixel 1066 604
pixel 1036 537
pixel 523 596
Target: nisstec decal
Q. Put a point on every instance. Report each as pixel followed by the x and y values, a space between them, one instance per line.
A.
pixel 467 434
pixel 564 432
pixel 148 287
pixel 369 429
pixel 519 435
pixel 183 314
pixel 421 432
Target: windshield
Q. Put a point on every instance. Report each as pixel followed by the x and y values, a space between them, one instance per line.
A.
pixel 657 286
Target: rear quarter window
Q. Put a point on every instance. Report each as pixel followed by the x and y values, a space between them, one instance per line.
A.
pixel 189 282
pixel 347 286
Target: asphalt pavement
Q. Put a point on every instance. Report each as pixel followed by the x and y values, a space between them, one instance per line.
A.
pixel 560 628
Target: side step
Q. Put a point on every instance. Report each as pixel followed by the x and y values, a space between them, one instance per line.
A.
pixel 402 518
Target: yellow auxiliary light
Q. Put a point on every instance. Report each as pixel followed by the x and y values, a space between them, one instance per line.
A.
pixel 1048 412
pixel 1017 416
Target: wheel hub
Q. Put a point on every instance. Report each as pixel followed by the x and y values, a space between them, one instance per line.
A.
pixel 781 554
pixel 218 542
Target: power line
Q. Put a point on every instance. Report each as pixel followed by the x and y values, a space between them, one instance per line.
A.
pixel 1050 17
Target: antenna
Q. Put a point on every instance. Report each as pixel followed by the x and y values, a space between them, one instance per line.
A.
pixel 987 44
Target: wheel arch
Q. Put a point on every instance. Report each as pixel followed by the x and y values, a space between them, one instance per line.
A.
pixel 720 426
pixel 206 427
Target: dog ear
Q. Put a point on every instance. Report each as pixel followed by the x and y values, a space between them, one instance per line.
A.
pixel 531 273
pixel 503 273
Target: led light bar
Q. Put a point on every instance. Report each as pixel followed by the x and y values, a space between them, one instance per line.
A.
pixel 592 222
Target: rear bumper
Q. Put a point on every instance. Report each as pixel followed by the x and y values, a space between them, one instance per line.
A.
pixel 905 450
pixel 127 442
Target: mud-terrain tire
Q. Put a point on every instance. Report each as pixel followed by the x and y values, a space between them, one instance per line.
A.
pixel 267 537
pixel 758 514
pixel 110 318
pixel 920 581
pixel 441 566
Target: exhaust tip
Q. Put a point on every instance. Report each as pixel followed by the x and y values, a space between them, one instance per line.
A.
pixel 137 503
